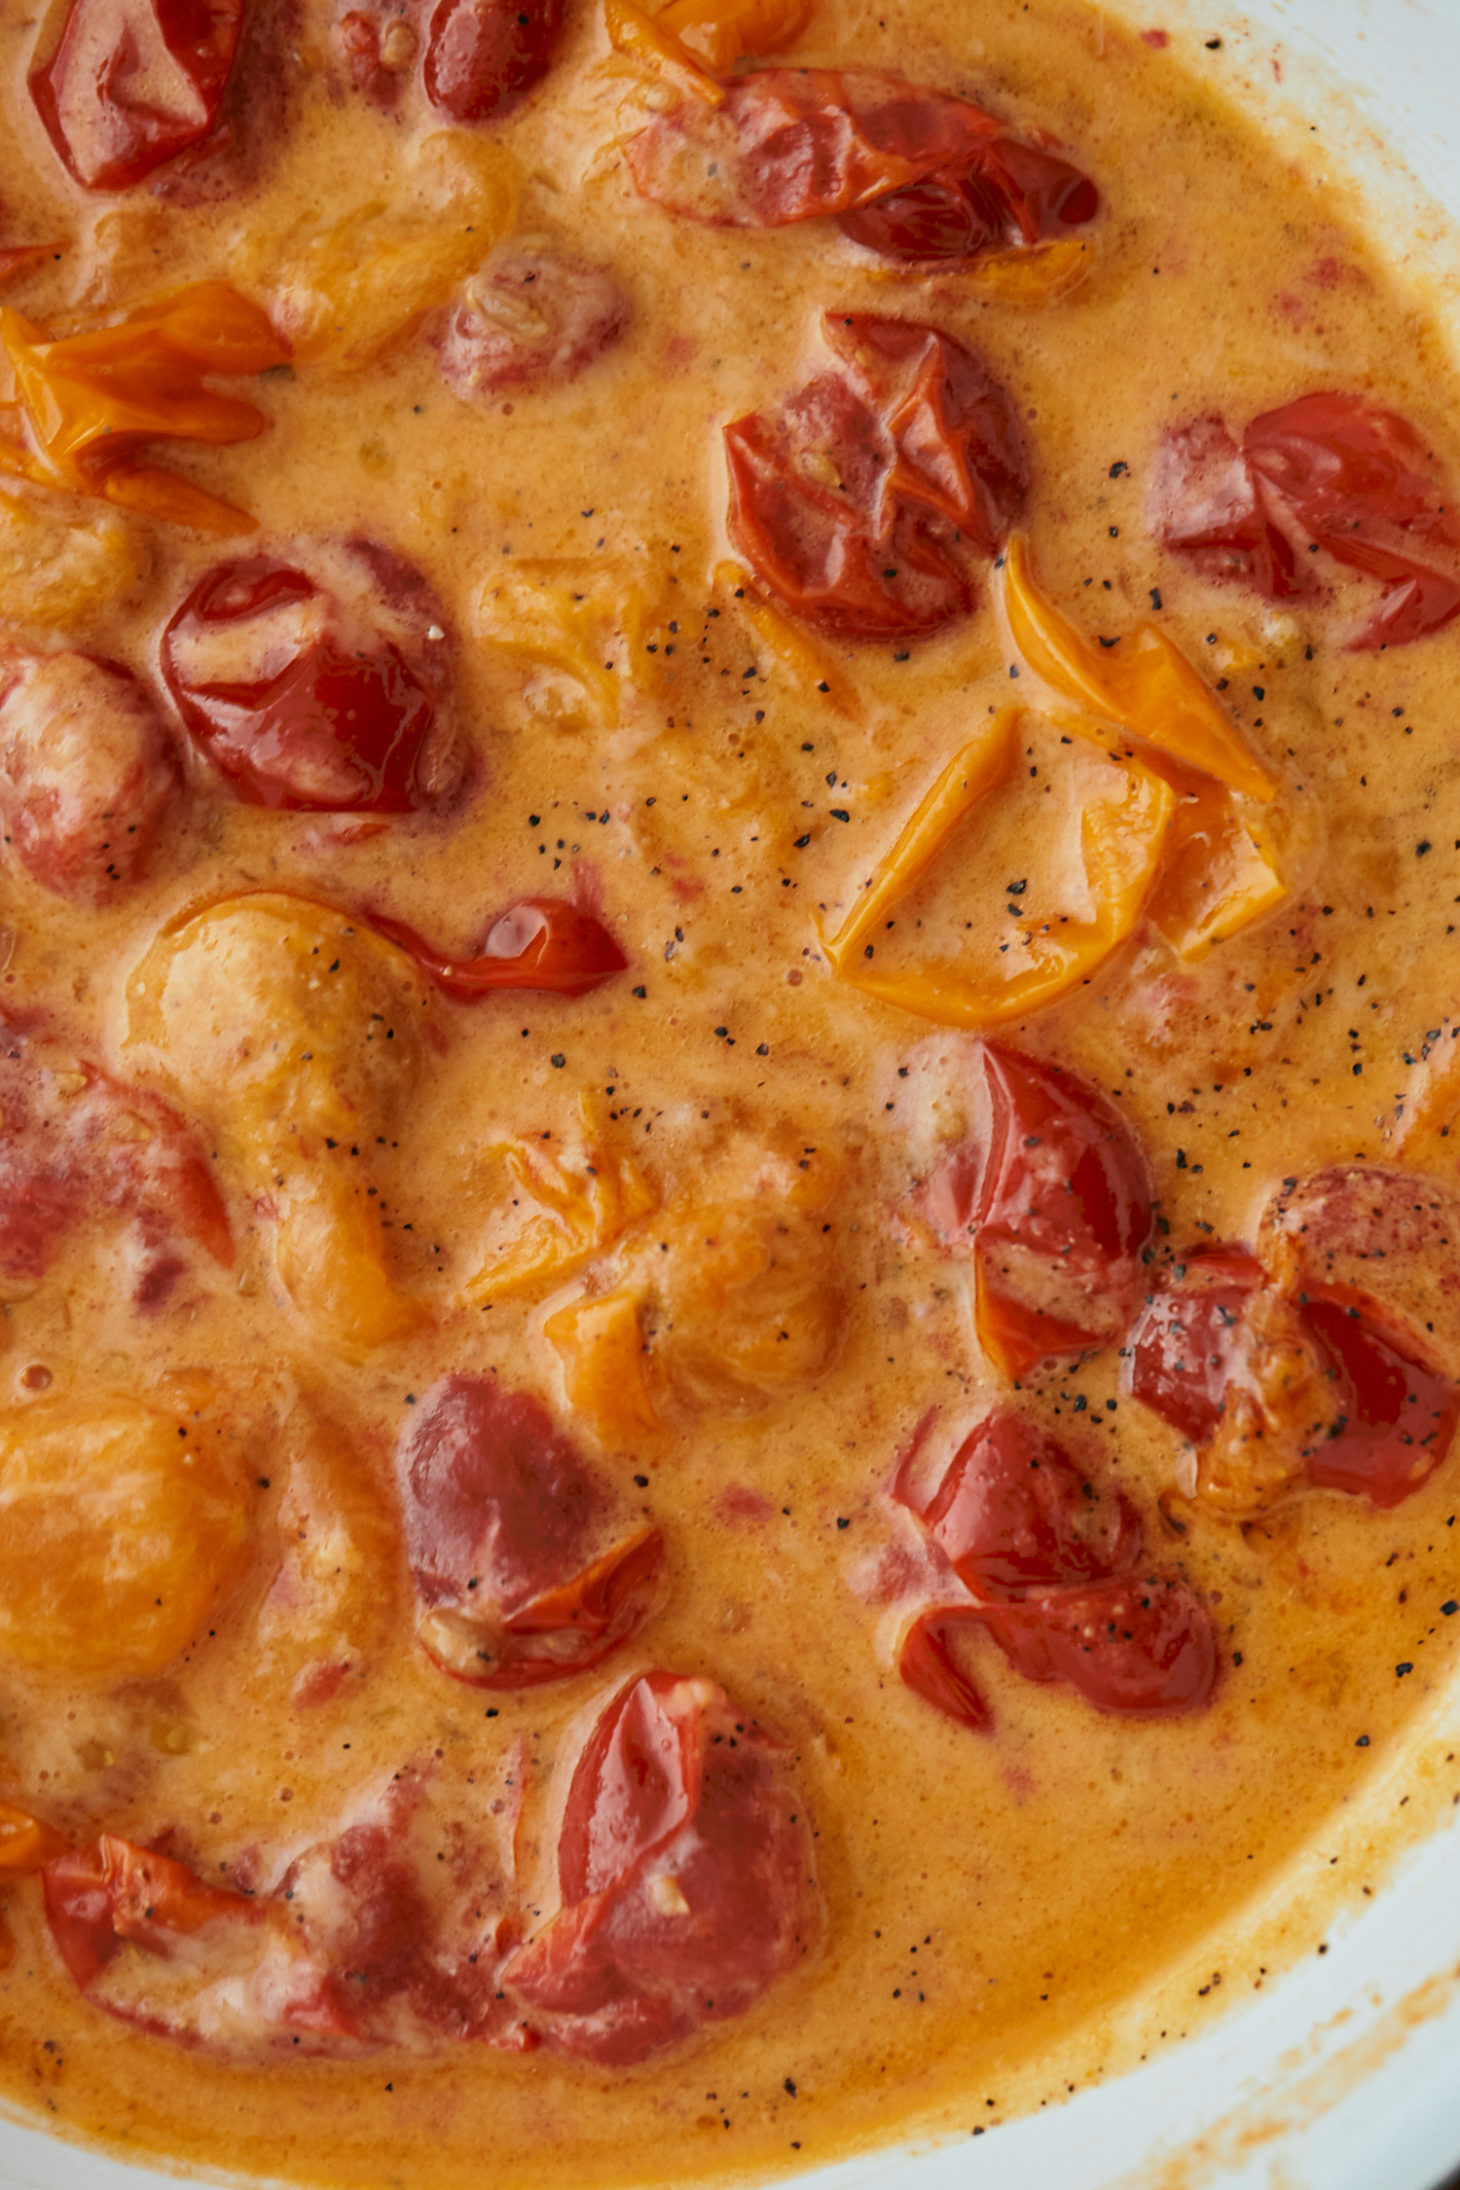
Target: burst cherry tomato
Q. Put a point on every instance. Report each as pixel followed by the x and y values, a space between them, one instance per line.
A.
pixel 684 1862
pixel 68 1153
pixel 132 83
pixel 852 500
pixel 87 771
pixel 1054 1202
pixel 1006 195
pixel 1138 1648
pixel 1188 1338
pixel 482 55
pixel 540 943
pixel 323 694
pixel 97 1899
pixel 1329 470
pixel 1013 1512
pixel 502 1516
pixel 913 173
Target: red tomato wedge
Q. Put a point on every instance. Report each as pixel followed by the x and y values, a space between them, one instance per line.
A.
pixel 75 1144
pixel 1053 1201
pixel 132 83
pixel 541 943
pixel 99 1898
pixel 685 1866
pixel 320 693
pixel 501 1517
pixel 1138 1648
pixel 853 501
pixel 1330 471
pixel 913 173
pixel 1013 1512
pixel 483 55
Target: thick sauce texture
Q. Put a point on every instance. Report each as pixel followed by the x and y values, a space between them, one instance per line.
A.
pixel 729 1321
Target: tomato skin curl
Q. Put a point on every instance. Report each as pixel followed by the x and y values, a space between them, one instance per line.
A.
pixel 539 943
pixel 685 1866
pixel 130 84
pixel 99 1899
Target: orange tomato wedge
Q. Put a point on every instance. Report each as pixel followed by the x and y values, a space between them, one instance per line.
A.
pixel 1146 684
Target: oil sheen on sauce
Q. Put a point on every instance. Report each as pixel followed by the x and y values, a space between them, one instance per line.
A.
pixel 986 1901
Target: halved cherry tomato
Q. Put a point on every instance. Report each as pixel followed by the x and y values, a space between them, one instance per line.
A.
pixel 926 1665
pixel 482 55
pixel 1005 196
pixel 99 1898
pixel 684 1861
pixel 540 943
pixel 132 83
pixel 850 501
pixel 1013 1512
pixel 1138 1648
pixel 501 1514
pixel 1331 470
pixel 320 695
pixel 1399 1414
pixel 1054 1201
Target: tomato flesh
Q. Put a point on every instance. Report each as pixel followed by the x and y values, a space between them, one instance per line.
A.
pixel 132 83
pixel 100 1898
pixel 1013 1512
pixel 304 696
pixel 852 501
pixel 1138 1649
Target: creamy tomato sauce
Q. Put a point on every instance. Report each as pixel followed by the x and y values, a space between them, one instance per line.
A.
pixel 726 1206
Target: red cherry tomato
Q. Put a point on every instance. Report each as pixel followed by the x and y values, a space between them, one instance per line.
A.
pixel 132 83
pixel 1187 1340
pixel 1329 470
pixel 377 44
pixel 851 501
pixel 317 695
pixel 793 144
pixel 1137 1648
pixel 926 1665
pixel 501 1516
pixel 1005 195
pixel 684 1861
pixel 1209 507
pixel 1398 1416
pixel 98 1899
pixel 482 55
pixel 1054 1201
pixel 527 318
pixel 68 1153
pixel 540 943
pixel 87 771
pixel 1013 1512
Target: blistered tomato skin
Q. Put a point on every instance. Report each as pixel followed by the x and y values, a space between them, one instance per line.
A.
pixel 317 695
pixel 530 319
pixel 1186 1342
pixel 88 775
pixel 506 1529
pixel 131 84
pixel 1007 196
pixel 483 55
pixel 1013 1512
pixel 1137 1648
pixel 856 502
pixel 685 1865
